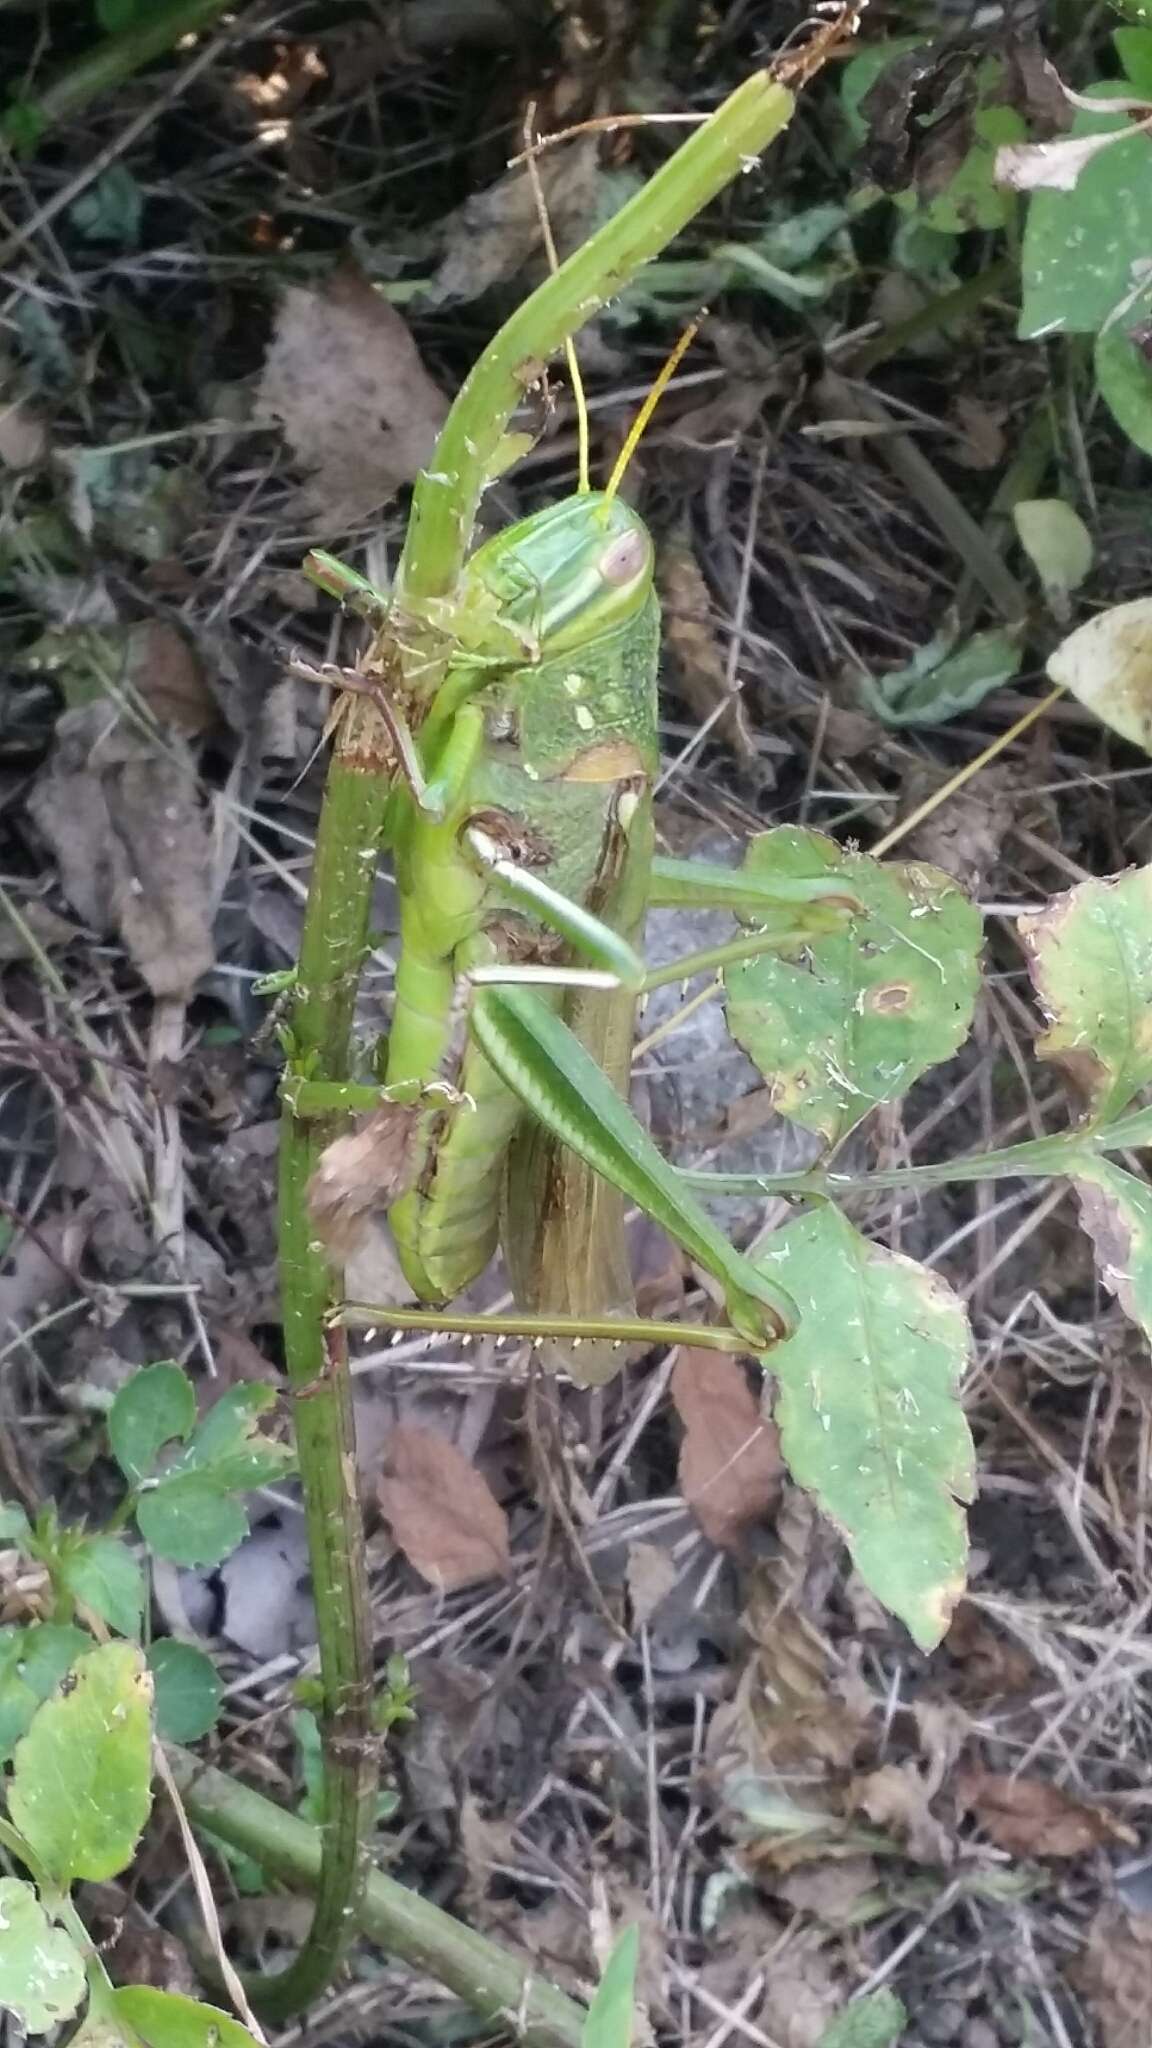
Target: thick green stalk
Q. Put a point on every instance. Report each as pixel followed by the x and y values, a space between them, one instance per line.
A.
pixel 448 492
pixel 503 1990
pixel 331 954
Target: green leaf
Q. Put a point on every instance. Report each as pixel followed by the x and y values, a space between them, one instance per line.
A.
pixel 1116 1212
pixel 80 1791
pixel 188 1514
pixel 1090 959
pixel 943 679
pixel 874 2022
pixel 1107 664
pixel 166 2019
pixel 101 1572
pixel 972 198
pixel 1085 249
pixel 111 209
pixel 1056 542
pixel 33 1660
pixel 537 1056
pixel 190 1521
pixel 611 2015
pixel 868 1411
pixel 1134 49
pixel 117 15
pixel 851 1018
pixel 15 1527
pixel 42 1977
pixel 157 1406
pixel 1123 370
pixel 188 1690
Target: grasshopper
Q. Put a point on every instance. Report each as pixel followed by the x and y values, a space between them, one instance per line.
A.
pixel 523 835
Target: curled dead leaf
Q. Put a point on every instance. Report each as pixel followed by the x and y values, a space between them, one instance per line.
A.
pixel 730 1468
pixel 442 1514
pixel 1032 1817
pixel 896 1796
pixel 359 410
pixel 364 1170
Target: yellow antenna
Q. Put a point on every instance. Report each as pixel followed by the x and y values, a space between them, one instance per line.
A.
pixel 651 402
pixel 582 435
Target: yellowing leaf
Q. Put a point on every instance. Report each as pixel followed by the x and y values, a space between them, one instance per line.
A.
pixel 1116 1211
pixel 1056 542
pixel 1090 955
pixel 1107 664
pixel 81 1779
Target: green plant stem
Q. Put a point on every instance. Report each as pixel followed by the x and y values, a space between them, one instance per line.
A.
pixel 332 950
pixel 448 492
pixel 939 312
pixel 1036 1158
pixel 107 64
pixel 492 1982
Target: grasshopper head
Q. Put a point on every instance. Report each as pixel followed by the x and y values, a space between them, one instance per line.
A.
pixel 578 568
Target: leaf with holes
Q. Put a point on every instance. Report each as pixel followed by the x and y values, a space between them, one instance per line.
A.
pixel 81 1778
pixel 868 1411
pixel 42 1977
pixel 849 1019
pixel 1090 956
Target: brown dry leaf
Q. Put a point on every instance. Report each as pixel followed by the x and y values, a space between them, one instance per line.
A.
pixel 896 1797
pixel 124 820
pixel 651 1575
pixel 1030 1817
pixel 359 409
pixel 166 671
pixel 441 1512
pixel 803 1990
pixel 730 1468
pixel 830 1889
pixel 490 238
pixel 690 634
pixel 982 428
pixel 365 1170
pixel 483 1844
pixel 1115 1976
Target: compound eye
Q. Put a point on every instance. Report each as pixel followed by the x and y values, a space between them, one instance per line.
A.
pixel 624 558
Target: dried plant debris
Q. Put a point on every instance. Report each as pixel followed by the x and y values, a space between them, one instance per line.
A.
pixel 360 413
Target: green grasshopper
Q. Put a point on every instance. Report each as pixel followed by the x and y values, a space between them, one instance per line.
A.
pixel 523 834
